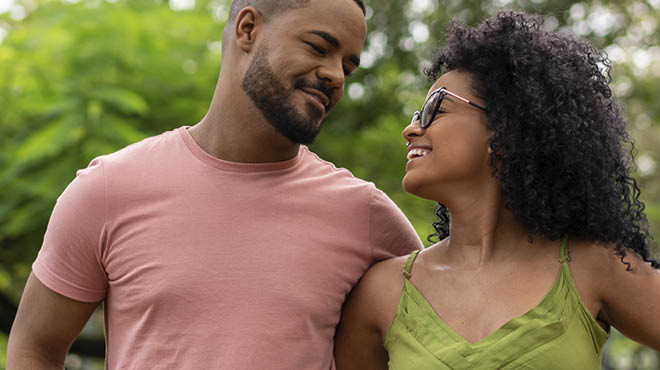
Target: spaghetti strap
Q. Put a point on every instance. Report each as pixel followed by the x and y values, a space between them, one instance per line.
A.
pixel 407 268
pixel 564 255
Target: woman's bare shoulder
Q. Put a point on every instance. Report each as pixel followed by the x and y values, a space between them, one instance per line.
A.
pixel 598 266
pixel 602 260
pixel 379 290
pixel 389 271
pixel 628 288
pixel 384 279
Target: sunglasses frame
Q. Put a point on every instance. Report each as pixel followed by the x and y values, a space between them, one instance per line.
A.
pixel 418 116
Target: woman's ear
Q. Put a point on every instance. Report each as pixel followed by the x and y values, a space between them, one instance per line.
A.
pixel 247 26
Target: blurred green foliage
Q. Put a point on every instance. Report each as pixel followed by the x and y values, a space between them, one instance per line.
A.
pixel 83 78
pixel 3 350
pixel 77 81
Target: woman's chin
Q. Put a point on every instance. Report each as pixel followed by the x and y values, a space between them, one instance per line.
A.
pixel 414 188
pixel 421 190
pixel 408 185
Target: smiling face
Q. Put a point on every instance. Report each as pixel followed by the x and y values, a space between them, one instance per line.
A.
pixel 298 72
pixel 452 153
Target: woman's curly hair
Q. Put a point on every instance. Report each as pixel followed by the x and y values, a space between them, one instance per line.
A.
pixel 560 149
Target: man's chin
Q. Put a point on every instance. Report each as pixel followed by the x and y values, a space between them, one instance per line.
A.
pixel 301 126
pixel 307 136
pixel 315 121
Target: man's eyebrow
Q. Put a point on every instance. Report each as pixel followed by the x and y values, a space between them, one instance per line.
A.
pixel 335 44
pixel 327 37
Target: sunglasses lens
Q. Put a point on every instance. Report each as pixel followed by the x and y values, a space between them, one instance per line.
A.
pixel 415 117
pixel 429 110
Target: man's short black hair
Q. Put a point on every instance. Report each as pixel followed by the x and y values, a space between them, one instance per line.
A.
pixel 273 7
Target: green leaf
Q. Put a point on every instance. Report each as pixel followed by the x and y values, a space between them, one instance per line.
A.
pixel 124 100
pixel 51 139
pixel 127 132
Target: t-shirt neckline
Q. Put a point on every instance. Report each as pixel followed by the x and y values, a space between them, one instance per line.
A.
pixel 221 164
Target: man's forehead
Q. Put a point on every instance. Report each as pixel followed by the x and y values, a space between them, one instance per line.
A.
pixel 334 15
pixel 304 3
pixel 312 6
pixel 336 21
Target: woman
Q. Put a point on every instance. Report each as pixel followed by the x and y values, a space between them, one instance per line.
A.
pixel 546 247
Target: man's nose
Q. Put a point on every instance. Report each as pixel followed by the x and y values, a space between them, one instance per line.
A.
pixel 332 73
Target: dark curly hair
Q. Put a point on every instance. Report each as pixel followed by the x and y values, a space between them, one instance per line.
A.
pixel 560 149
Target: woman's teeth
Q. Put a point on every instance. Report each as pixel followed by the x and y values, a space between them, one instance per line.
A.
pixel 416 153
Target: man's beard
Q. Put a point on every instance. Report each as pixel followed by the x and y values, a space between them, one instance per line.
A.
pixel 275 101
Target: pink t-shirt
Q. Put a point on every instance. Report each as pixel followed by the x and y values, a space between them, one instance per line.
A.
pixel 208 264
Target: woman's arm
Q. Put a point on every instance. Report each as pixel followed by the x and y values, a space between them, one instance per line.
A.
pixel 367 313
pixel 631 299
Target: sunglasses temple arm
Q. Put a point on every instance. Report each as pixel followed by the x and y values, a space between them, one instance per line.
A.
pixel 465 100
pixel 476 105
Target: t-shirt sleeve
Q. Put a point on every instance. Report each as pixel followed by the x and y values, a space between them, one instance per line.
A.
pixel 390 232
pixel 69 261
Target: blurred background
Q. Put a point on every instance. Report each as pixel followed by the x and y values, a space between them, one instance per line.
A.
pixel 80 78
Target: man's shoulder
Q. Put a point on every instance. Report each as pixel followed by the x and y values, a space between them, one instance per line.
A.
pixel 145 149
pixel 140 165
pixel 332 173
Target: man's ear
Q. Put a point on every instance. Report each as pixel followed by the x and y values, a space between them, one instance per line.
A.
pixel 247 26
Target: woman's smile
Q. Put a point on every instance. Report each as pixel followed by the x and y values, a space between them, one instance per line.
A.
pixel 417 153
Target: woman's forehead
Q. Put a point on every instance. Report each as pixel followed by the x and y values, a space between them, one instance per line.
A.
pixel 458 82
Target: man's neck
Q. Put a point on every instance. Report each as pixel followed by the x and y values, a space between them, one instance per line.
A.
pixel 242 140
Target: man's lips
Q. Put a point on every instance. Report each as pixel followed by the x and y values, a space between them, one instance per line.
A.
pixel 319 96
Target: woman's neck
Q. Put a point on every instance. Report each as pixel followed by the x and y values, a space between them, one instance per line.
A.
pixel 482 229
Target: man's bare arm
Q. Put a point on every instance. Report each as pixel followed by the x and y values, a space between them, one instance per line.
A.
pixel 45 326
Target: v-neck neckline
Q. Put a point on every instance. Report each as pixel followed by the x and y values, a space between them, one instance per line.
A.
pixel 417 330
pixel 498 333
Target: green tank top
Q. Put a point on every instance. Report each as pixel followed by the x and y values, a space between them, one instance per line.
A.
pixel 559 333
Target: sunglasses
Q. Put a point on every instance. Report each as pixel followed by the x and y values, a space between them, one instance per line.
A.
pixel 431 106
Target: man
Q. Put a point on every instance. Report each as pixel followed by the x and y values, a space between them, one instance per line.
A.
pixel 227 245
